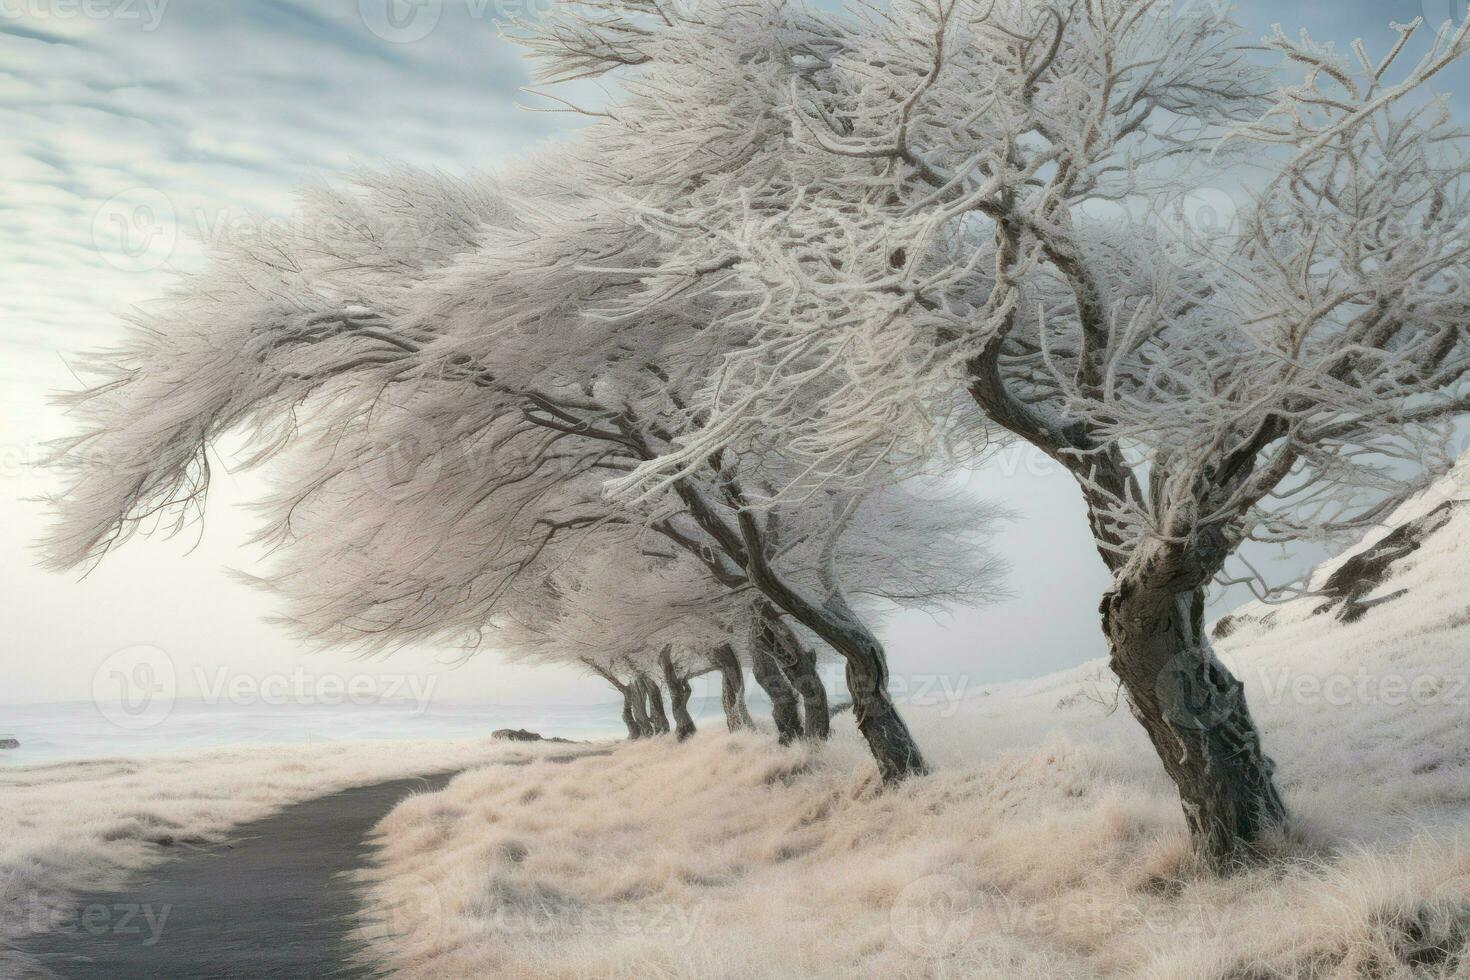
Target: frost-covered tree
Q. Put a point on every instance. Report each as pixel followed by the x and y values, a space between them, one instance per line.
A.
pixel 991 199
pixel 633 601
pixel 629 611
pixel 446 387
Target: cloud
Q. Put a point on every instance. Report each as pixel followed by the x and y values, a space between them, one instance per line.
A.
pixel 217 108
pixel 115 124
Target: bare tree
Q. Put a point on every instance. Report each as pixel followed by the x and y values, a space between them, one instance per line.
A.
pixel 991 199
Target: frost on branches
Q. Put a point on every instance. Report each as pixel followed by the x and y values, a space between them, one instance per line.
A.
pixel 671 375
pixel 444 397
pixel 992 199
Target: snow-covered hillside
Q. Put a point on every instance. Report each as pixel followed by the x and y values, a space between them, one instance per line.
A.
pixel 1047 844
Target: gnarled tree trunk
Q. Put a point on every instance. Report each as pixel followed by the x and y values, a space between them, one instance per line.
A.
pixel 679 693
pixel 1188 702
pixel 638 704
pixel 630 718
pixel 656 714
pixel 878 719
pixel 831 618
pixel 816 712
pixel 732 687
pixel 1195 713
pixel 835 621
pixel 799 663
pixel 785 710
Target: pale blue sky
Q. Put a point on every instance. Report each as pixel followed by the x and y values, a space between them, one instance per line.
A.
pixel 128 128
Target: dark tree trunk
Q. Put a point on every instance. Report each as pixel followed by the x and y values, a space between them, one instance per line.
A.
pixel 816 711
pixel 679 693
pixel 630 717
pixel 785 706
pixel 1195 713
pixel 732 688
pixel 1188 702
pixel 638 704
pixel 656 713
pixel 835 621
pixel 832 618
pixel 799 663
pixel 878 720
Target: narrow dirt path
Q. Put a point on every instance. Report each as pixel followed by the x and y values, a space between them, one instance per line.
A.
pixel 273 901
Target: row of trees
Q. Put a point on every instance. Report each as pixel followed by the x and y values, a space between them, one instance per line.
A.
pixel 421 359
pixel 649 401
pixel 640 607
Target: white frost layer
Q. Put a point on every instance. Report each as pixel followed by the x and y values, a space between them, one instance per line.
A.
pixel 1047 843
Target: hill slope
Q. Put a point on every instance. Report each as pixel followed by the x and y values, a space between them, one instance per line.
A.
pixel 1047 844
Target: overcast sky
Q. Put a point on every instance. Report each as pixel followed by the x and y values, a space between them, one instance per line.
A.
pixel 132 129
